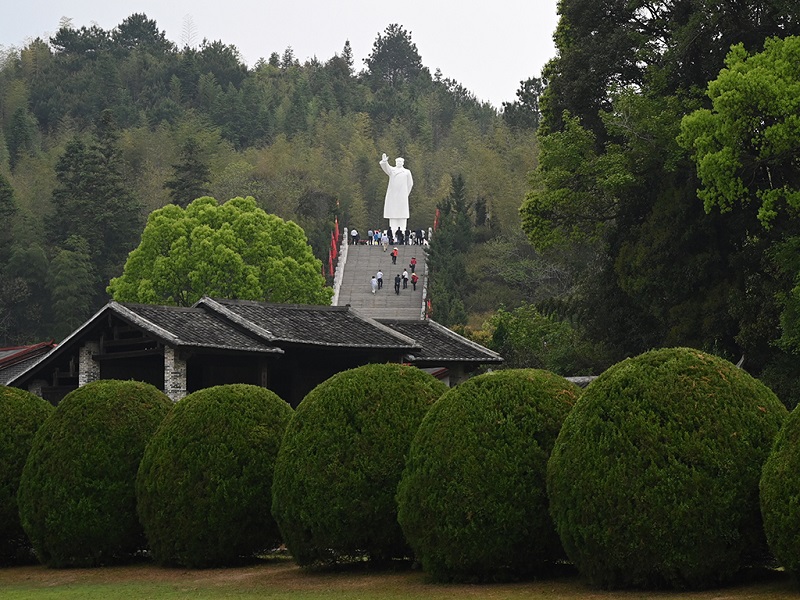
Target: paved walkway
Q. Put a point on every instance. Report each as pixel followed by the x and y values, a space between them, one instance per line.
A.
pixel 363 261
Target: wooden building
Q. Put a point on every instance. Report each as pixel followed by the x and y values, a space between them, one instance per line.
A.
pixel 286 348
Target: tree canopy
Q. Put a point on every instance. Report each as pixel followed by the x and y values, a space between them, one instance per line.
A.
pixel 747 151
pixel 612 177
pixel 747 146
pixel 230 250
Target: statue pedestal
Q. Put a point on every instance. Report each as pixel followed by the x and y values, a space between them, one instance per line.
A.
pixel 395 223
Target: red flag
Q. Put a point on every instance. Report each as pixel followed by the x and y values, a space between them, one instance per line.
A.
pixel 436 220
pixel 330 264
pixel 334 251
pixel 336 227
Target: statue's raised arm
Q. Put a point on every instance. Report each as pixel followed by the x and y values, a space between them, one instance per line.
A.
pixel 395 207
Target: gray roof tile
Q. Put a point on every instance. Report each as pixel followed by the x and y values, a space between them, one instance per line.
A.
pixel 440 344
pixel 192 327
pixel 315 325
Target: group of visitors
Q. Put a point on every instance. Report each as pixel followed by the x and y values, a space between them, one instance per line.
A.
pixel 399 280
pixel 387 237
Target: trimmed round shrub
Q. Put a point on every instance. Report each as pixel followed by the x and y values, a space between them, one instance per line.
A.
pixel 340 462
pixel 472 500
pixel 780 495
pixel 21 415
pixel 77 494
pixel 653 480
pixel 204 486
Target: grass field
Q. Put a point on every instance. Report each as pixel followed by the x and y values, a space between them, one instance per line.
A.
pixel 280 579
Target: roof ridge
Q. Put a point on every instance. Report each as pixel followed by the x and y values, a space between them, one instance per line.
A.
pixel 126 311
pixel 385 328
pixel 469 342
pixel 221 310
pixel 294 306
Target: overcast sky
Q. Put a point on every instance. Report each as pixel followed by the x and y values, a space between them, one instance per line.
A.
pixel 488 46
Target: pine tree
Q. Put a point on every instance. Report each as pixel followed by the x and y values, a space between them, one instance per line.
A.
pixel 8 208
pixel 92 201
pixel 446 257
pixel 71 281
pixel 190 176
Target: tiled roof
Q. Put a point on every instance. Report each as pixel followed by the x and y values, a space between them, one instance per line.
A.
pixel 310 325
pixel 439 344
pixel 244 326
pixel 17 359
pixel 194 327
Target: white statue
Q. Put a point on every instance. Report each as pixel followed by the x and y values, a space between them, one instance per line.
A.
pixel 395 207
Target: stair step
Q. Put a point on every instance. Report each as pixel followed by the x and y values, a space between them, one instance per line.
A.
pixel 363 261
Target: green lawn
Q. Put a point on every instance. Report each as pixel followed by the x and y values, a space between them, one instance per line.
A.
pixel 281 579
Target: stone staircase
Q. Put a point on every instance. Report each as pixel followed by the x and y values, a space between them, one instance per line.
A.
pixel 357 266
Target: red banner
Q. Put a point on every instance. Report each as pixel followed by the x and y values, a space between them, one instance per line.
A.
pixel 334 251
pixel 336 228
pixel 436 220
pixel 330 264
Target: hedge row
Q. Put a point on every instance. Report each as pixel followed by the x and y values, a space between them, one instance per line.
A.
pixel 341 460
pixel 21 415
pixel 205 482
pixel 77 500
pixel 653 481
pixel 651 476
pixel 472 499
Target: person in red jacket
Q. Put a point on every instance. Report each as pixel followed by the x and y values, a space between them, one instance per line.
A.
pixel 414 280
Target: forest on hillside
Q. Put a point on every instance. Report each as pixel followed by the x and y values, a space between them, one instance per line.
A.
pixel 101 127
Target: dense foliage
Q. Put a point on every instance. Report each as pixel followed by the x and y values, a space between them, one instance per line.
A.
pixel 303 139
pixel 746 148
pixel 612 177
pixel 653 480
pixel 21 415
pixel 780 492
pixel 528 338
pixel 341 460
pixel 204 487
pixel 472 500
pixel 233 250
pixel 77 499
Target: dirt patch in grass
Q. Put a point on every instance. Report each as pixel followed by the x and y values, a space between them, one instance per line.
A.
pixel 281 577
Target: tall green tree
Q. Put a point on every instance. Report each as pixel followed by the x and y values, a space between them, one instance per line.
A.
pixel 8 208
pixel 747 149
pixel 394 72
pixel 137 31
pixel 92 201
pixel 394 59
pixel 524 112
pixel 230 250
pixel 612 174
pixel 20 135
pixel 72 282
pixel 452 240
pixel 26 295
pixel 747 145
pixel 191 176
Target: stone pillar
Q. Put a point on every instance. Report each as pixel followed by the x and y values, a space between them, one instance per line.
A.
pixel 35 387
pixel 174 374
pixel 263 375
pixel 88 368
